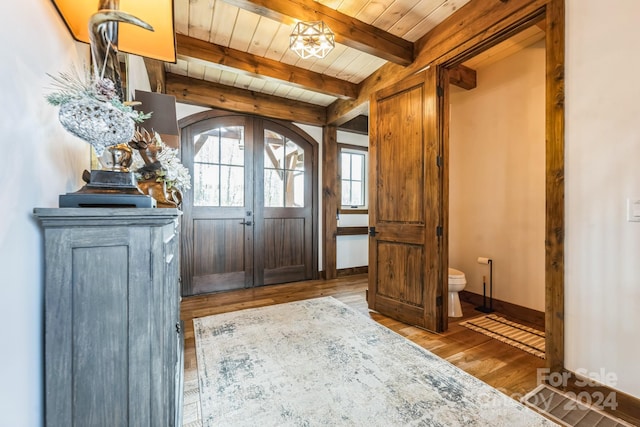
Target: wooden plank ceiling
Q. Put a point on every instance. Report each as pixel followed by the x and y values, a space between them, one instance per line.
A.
pixel 235 52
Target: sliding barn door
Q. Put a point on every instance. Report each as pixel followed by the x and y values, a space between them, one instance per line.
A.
pixel 405 259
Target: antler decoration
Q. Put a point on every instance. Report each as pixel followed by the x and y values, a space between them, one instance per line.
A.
pixel 103 35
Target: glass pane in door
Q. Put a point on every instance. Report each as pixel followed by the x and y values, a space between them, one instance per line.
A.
pixel 283 171
pixel 218 167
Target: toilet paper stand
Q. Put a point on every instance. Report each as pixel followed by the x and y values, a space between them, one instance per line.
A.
pixel 483 308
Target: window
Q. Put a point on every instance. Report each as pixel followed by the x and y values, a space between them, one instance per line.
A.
pixel 218 167
pixel 283 172
pixel 353 173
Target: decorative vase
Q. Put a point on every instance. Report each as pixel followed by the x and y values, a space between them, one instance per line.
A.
pixel 97 122
pixel 117 158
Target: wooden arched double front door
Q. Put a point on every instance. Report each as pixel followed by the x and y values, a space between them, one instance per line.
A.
pixel 250 216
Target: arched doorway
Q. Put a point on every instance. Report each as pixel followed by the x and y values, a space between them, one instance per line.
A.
pixel 250 217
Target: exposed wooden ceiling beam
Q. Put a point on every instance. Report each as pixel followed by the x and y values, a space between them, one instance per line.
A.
pixel 199 92
pixel 462 29
pixel 359 124
pixel 463 77
pixel 257 66
pixel 156 74
pixel 348 30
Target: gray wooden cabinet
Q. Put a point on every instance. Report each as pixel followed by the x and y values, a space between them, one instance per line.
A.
pixel 113 345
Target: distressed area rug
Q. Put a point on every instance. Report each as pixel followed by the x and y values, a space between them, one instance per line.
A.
pixel 320 363
pixel 523 337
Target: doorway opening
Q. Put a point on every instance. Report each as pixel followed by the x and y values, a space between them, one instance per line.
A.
pixel 497 179
pixel 550 17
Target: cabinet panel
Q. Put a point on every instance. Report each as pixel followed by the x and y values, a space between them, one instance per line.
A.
pixel 112 349
pixel 99 346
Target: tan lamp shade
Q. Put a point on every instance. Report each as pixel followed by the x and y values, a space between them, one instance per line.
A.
pixel 157 44
pixel 163 115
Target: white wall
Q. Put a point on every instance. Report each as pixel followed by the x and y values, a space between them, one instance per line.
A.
pixel 497 178
pixel 40 161
pixel 184 110
pixel 602 249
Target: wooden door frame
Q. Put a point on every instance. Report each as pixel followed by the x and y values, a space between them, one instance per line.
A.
pixel 475 27
pixel 550 13
pixel 214 113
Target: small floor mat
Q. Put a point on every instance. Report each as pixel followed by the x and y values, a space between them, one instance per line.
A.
pixel 523 337
pixel 566 410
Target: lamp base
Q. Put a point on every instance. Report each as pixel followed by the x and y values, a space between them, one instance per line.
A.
pixel 102 181
pixel 105 200
pixel 108 189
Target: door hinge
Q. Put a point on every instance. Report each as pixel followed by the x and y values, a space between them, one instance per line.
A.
pixel 439 301
pixel 439 161
pixel 372 231
pixel 440 91
pixel 439 231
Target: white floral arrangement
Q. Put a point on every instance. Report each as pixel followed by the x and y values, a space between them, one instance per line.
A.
pixel 171 171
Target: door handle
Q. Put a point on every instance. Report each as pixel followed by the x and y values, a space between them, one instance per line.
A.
pixel 246 223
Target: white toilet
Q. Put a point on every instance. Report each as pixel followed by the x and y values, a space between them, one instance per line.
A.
pixel 457 282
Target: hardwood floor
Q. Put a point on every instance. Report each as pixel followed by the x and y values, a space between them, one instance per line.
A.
pixel 506 368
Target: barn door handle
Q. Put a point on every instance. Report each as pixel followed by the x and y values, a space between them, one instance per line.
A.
pixel 246 223
pixel 372 231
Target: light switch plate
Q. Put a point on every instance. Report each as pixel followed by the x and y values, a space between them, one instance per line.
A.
pixel 633 210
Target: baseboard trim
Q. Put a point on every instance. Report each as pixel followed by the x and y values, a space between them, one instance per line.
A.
pixel 352 271
pixel 533 317
pixel 627 406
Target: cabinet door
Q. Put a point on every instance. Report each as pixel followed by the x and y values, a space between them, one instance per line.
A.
pixel 97 339
pixel 111 308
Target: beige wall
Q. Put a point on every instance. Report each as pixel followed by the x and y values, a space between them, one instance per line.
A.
pixel 497 166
